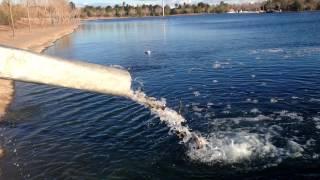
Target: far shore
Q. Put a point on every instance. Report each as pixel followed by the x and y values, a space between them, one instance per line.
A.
pixel 137 17
pixel 191 14
pixel 36 40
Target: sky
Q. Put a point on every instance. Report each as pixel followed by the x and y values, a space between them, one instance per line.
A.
pixel 169 2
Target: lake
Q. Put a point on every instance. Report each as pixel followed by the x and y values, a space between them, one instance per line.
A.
pixel 248 82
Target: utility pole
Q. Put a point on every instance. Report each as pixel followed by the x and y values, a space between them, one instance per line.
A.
pixel 162 7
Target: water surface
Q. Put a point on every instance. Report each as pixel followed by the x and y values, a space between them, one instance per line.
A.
pixel 250 83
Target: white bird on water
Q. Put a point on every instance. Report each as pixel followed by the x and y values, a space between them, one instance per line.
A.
pixel 148 52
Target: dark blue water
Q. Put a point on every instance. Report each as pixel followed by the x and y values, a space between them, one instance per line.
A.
pixel 251 83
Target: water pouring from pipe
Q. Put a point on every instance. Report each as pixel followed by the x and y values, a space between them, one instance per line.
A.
pixel 25 66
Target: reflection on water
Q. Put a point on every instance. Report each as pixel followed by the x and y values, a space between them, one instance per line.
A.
pixel 247 83
pixel 64 43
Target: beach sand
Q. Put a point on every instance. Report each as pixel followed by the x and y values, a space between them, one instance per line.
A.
pixel 37 40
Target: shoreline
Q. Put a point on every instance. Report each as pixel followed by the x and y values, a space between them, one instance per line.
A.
pixel 138 17
pixel 39 39
pixel 190 14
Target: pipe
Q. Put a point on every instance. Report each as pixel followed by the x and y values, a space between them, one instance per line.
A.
pixel 21 65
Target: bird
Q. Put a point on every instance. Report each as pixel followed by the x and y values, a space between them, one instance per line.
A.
pixel 148 52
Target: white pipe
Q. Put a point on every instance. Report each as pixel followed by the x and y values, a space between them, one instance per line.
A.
pixel 26 66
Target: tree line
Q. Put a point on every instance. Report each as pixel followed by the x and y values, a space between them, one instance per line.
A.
pixel 31 13
pixel 292 5
pixel 126 10
pixel 51 12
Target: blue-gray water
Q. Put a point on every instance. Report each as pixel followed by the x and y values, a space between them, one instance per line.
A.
pixel 237 79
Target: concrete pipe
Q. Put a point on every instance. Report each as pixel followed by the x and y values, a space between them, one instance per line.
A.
pixel 21 65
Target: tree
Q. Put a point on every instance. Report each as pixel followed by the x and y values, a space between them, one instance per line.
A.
pixel 145 10
pixel 297 5
pixel 9 5
pixel 109 11
pixel 269 5
pixel 167 10
pixel 310 5
pixel 222 7
pixel 124 9
pixel 28 13
pixel 157 10
pixel 72 5
pixel 132 11
pixel 120 12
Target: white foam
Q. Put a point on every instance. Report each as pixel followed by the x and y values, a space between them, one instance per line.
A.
pixel 196 93
pixel 237 120
pixel 291 115
pixel 295 149
pixel 255 111
pixel 197 109
pixel 255 101
pixel 210 104
pixel 317 122
pixel 216 65
pixel 232 148
pixel 274 50
pixel 226 112
pixel 273 100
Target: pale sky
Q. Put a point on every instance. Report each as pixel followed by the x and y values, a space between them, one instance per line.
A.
pixel 170 2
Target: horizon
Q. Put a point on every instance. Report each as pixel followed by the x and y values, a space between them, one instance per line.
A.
pixel 155 2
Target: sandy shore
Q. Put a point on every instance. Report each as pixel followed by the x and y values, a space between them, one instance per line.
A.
pixel 37 40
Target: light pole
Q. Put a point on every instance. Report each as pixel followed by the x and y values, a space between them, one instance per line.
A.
pixel 162 7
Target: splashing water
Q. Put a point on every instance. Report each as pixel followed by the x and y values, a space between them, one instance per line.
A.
pixel 170 117
pixel 233 148
pixel 227 148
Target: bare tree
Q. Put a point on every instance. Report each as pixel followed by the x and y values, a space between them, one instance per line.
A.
pixel 9 3
pixel 28 13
